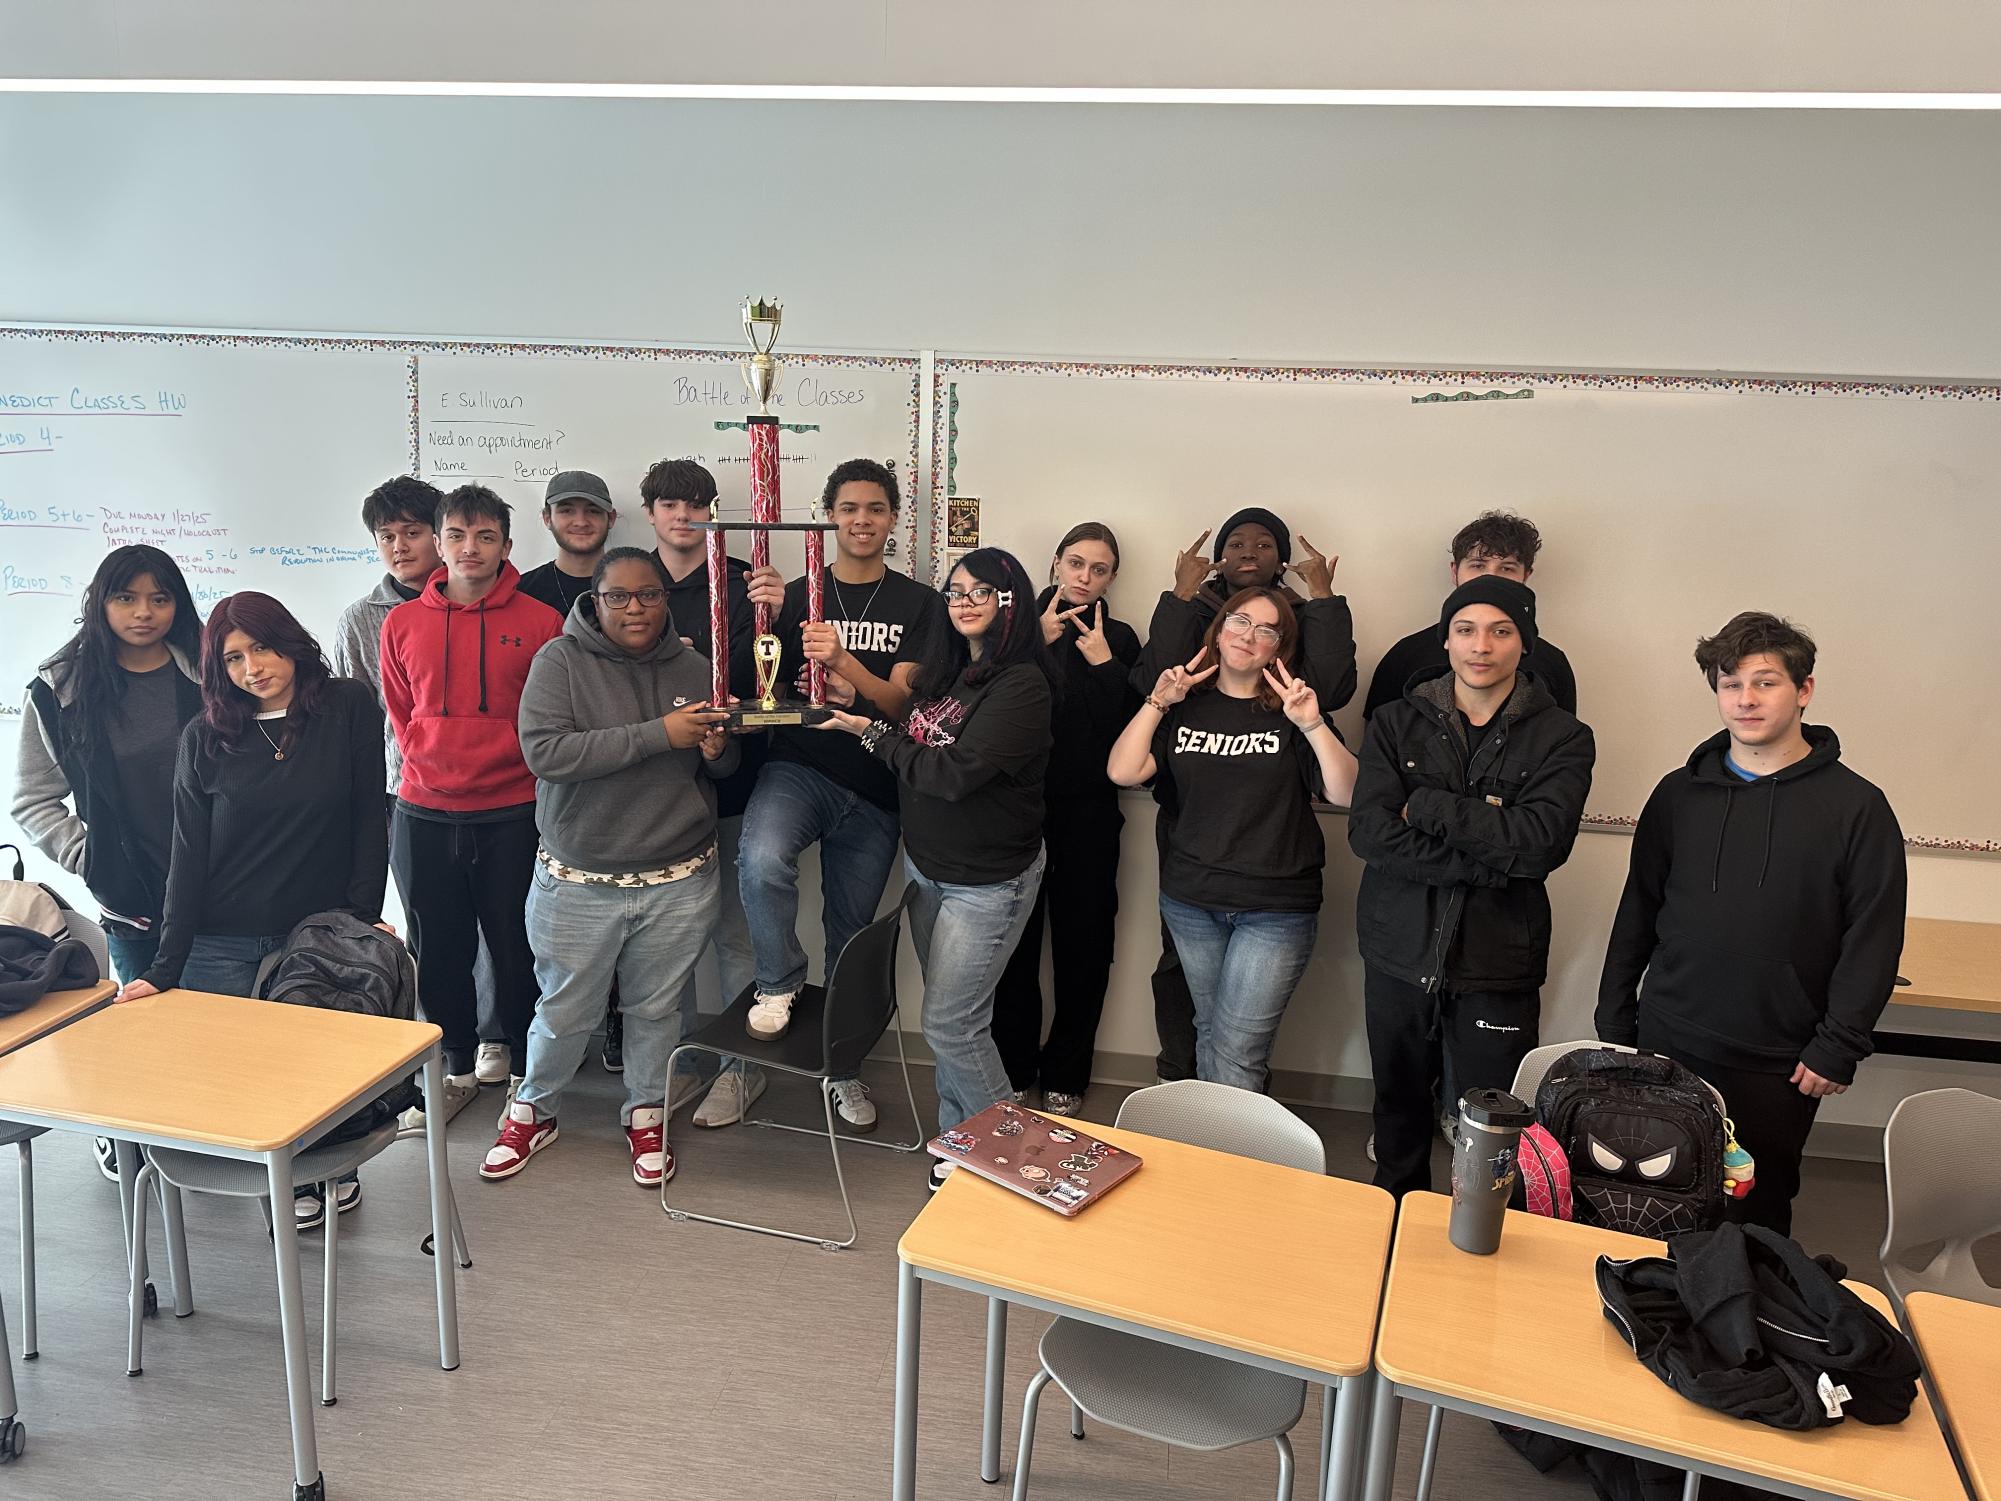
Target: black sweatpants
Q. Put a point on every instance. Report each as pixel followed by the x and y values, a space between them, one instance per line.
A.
pixel 1772 1119
pixel 461 883
pixel 1487 1033
pixel 1080 894
pixel 1173 1002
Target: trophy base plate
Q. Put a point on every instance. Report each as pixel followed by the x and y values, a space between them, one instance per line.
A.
pixel 754 716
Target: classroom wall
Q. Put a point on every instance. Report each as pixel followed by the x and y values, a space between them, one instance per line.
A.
pixel 1823 242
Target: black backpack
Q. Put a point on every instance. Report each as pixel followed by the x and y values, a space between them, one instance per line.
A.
pixel 340 962
pixel 1644 1137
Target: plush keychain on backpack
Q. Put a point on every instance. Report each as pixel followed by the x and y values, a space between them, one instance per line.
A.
pixel 1740 1170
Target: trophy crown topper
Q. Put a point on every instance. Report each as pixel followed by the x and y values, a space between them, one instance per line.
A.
pixel 760 372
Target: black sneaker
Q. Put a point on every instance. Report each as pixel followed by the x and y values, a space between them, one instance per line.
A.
pixel 614 1041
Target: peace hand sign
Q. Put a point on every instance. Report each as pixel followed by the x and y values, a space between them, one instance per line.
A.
pixel 1191 566
pixel 1296 697
pixel 1091 639
pixel 1053 618
pixel 1315 570
pixel 1173 684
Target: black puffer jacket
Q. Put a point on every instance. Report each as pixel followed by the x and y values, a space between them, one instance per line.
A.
pixel 1457 853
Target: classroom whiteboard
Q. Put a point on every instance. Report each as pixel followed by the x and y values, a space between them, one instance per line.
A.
pixel 1870 514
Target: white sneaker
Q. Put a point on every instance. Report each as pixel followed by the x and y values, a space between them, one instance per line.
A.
pixel 770 1015
pixel 732 1096
pixel 852 1104
pixel 460 1091
pixel 513 1084
pixel 491 1063
pixel 940 1171
pixel 1371 1147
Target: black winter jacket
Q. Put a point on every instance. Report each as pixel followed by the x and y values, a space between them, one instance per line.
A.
pixel 1457 853
pixel 1766 916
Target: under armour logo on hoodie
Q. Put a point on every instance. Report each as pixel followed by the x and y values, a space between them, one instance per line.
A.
pixel 507 640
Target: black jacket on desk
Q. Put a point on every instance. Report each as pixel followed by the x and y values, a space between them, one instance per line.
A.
pixel 1093 707
pixel 1421 652
pixel 1457 851
pixel 969 766
pixel 1766 916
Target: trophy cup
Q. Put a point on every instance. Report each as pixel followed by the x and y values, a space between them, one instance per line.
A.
pixel 760 372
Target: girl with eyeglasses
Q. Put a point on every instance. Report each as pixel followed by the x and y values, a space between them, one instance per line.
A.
pixel 1246 749
pixel 626 751
pixel 1091 654
pixel 969 756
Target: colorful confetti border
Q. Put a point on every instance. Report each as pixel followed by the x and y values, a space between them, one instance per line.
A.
pixel 944 435
pixel 412 349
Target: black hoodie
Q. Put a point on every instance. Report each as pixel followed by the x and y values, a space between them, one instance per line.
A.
pixel 1766 916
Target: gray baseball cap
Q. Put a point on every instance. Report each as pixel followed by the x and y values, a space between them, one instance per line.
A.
pixel 580 484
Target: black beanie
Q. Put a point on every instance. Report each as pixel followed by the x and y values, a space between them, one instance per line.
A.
pixel 1256 516
pixel 1513 599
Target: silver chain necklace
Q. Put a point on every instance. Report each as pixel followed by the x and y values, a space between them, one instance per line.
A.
pixel 842 605
pixel 277 751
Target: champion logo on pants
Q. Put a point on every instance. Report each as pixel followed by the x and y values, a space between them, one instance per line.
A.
pixel 1487 1026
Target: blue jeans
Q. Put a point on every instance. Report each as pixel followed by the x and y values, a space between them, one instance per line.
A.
pixel 735 966
pixel 131 950
pixel 583 935
pixel 1242 968
pixel 964 936
pixel 223 964
pixel 792 807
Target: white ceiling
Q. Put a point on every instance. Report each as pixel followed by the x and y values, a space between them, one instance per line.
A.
pixel 1785 45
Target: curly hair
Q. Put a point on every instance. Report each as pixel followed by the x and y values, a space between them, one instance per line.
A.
pixel 226 709
pixel 404 498
pixel 860 470
pixel 1498 534
pixel 1749 634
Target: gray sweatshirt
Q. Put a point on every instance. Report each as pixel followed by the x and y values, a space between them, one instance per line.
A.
pixel 611 795
pixel 357 653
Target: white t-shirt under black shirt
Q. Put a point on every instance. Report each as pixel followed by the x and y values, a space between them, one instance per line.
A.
pixel 1246 838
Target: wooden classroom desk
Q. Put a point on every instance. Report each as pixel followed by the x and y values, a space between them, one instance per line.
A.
pixel 246 1079
pixel 1265 1265
pixel 1952 966
pixel 1961 1345
pixel 1520 1336
pixel 56 1009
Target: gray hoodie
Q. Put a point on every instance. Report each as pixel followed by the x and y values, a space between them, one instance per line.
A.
pixel 357 653
pixel 611 795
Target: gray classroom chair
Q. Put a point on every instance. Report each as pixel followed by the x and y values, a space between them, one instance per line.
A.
pixel 1162 1391
pixel 1944 1193
pixel 195 1172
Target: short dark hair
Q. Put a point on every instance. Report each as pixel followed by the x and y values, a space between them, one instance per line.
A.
pixel 404 498
pixel 476 503
pixel 1749 634
pixel 678 479
pixel 630 555
pixel 1497 534
pixel 867 470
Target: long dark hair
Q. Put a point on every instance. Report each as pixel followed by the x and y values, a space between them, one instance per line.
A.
pixel 1015 636
pixel 95 683
pixel 226 709
pixel 1288 636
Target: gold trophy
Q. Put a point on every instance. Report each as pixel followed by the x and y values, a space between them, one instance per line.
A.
pixel 761 320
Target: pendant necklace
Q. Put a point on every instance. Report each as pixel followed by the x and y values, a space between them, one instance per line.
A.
pixel 277 751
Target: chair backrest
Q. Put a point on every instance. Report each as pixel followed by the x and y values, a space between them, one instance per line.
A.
pixel 1529 1076
pixel 1944 1186
pixel 1225 1119
pixel 861 992
pixel 91 935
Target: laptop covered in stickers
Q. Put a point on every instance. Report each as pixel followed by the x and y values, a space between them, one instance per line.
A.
pixel 1040 1157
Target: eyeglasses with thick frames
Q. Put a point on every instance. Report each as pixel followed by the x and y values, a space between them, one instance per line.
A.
pixel 618 599
pixel 979 594
pixel 1237 623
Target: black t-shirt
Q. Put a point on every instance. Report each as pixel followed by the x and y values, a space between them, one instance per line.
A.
pixel 555 588
pixel 1246 838
pixel 883 625
pixel 145 736
pixel 970 765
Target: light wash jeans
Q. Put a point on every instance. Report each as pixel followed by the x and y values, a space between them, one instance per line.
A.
pixel 583 935
pixel 792 807
pixel 964 936
pixel 735 965
pixel 1242 968
pixel 224 964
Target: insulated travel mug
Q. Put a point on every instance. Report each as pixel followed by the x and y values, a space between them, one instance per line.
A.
pixel 1491 1122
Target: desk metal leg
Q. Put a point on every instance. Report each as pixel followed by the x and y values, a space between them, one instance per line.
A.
pixel 443 1212
pixel 1340 1476
pixel 128 1174
pixel 1691 1487
pixel 174 1226
pixel 1385 1420
pixel 990 1411
pixel 909 1326
pixel 307 1482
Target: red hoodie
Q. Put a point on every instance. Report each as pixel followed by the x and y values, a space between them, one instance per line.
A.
pixel 451 681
